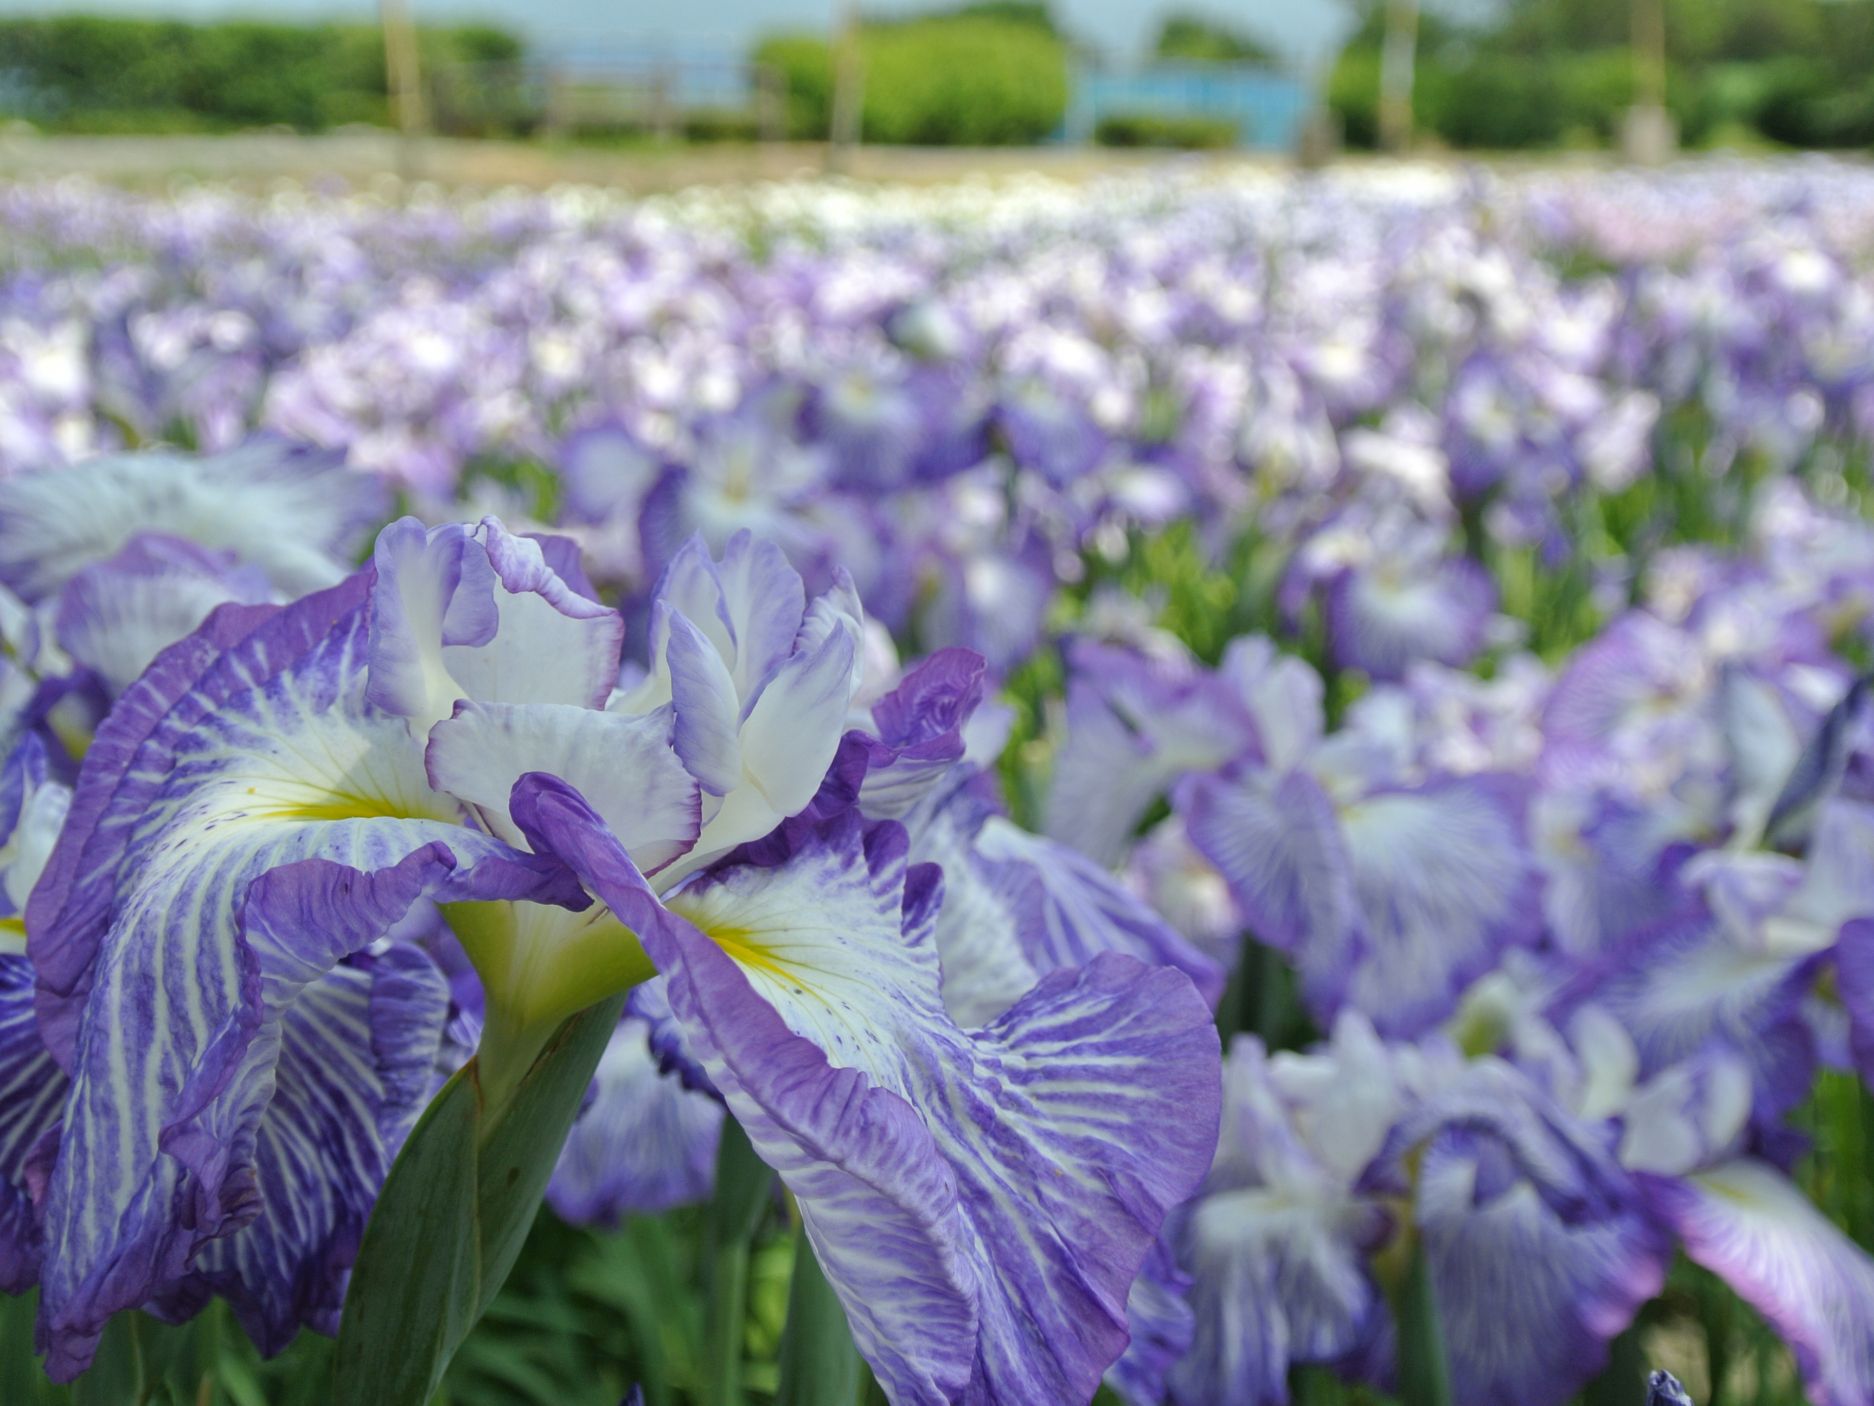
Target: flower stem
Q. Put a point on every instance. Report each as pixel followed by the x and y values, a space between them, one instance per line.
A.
pixel 1623 1381
pixel 1424 1376
pixel 743 1195
pixel 509 1046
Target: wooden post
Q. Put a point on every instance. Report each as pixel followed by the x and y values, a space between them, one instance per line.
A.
pixel 1398 59
pixel 663 113
pixel 848 90
pixel 404 79
pixel 770 104
pixel 557 121
pixel 1649 135
pixel 1649 53
pixel 1318 137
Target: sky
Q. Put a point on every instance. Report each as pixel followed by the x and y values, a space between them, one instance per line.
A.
pixel 1307 29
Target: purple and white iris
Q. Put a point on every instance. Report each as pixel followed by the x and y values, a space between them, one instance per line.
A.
pixel 247 1042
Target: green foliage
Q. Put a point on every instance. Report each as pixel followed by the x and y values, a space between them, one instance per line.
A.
pixel 966 82
pixel 1802 103
pixel 1155 129
pixel 1035 14
pixel 1723 99
pixel 743 1195
pixel 480 43
pixel 805 64
pixel 90 73
pixel 1542 73
pixel 1697 31
pixel 818 1360
pixel 946 81
pixel 720 124
pixel 454 1214
pixel 1500 101
pixel 1424 1374
pixel 1594 90
pixel 1353 95
pixel 1188 36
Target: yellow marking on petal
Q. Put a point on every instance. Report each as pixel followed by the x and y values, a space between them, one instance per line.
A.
pixel 73 733
pixel 302 802
pixel 746 949
pixel 1727 1191
pixel 338 807
pixel 12 935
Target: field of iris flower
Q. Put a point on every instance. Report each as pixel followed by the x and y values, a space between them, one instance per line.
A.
pixel 1191 789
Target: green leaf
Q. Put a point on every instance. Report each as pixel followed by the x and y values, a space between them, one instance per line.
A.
pixel 1424 1377
pixel 115 1377
pixel 20 1377
pixel 521 1148
pixel 234 1378
pixel 413 1289
pixel 453 1215
pixel 819 1363
pixel 642 1275
pixel 1316 1386
pixel 1623 1381
pixel 744 1194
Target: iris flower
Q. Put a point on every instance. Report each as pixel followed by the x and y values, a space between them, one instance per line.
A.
pixel 284 786
pixel 245 1057
pixel 32 1086
pixel 980 1200
pixel 1390 886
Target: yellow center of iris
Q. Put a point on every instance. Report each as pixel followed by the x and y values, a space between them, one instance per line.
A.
pixel 336 806
pixel 746 950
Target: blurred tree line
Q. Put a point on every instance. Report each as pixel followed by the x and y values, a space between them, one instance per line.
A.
pixel 983 74
pixel 1544 73
pixel 1187 36
pixel 82 73
pixel 990 73
pixel 977 73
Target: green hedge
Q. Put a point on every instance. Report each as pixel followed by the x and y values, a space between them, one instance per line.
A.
pixel 1490 100
pixel 1799 102
pixel 720 124
pixel 805 64
pixel 1185 36
pixel 1155 129
pixel 965 81
pixel 89 73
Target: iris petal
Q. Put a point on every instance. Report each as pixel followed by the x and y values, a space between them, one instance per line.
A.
pixel 1749 1225
pixel 32 1093
pixel 981 1202
pixel 1391 904
pixel 114 617
pixel 1527 1302
pixel 644 1143
pixel 708 712
pixel 166 960
pixel 482 614
pixel 295 514
pixel 624 764
pixel 357 1052
pixel 1134 725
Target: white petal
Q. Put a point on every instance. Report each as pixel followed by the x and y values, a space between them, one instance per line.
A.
pixel 624 766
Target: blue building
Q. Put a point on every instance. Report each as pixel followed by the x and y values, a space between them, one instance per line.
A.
pixel 1266 105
